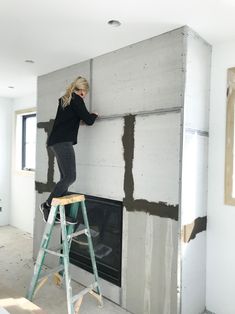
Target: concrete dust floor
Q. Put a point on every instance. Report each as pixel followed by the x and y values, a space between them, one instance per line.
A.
pixel 16 267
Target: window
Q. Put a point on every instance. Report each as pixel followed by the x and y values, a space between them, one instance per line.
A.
pixel 25 140
pixel 28 141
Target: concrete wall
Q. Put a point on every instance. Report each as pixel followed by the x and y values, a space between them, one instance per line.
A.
pixel 132 153
pixel 221 217
pixel 22 182
pixel 194 174
pixel 5 159
pixel 143 76
pixel 139 105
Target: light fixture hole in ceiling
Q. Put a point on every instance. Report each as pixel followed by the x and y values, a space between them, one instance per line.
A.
pixel 29 61
pixel 114 23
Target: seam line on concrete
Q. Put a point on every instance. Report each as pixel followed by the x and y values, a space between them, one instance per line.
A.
pixel 143 113
pixel 196 131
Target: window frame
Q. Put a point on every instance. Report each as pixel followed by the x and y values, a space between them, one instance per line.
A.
pixel 17 140
pixel 229 180
pixel 23 144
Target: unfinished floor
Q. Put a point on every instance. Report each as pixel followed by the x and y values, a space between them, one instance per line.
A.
pixel 16 266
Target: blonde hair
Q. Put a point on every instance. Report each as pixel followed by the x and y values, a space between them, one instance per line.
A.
pixel 79 83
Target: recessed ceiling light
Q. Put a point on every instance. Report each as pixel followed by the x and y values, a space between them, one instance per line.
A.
pixel 29 61
pixel 11 87
pixel 114 23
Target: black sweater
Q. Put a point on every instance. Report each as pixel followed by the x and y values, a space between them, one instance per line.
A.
pixel 66 124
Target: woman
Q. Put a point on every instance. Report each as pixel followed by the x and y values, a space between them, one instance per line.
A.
pixel 71 110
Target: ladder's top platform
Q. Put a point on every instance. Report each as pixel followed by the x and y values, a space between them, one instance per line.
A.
pixel 68 199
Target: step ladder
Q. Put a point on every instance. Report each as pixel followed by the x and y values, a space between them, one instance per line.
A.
pixel 68 232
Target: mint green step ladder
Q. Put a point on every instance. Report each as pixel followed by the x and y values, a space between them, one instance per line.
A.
pixel 68 232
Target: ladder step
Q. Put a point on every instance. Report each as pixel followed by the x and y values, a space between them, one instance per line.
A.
pixel 68 199
pixel 56 248
pixel 75 234
pixel 53 253
pixel 84 291
pixel 51 272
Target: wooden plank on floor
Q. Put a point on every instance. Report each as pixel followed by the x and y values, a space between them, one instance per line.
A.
pixel 15 304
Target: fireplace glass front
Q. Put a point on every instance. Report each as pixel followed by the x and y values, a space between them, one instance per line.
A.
pixel 105 220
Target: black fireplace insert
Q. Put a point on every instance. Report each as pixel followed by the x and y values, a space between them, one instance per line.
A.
pixel 105 220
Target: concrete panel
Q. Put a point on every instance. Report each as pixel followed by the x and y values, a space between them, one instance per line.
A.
pixel 152 254
pixel 100 164
pixel 136 262
pixel 156 157
pixel 194 177
pixel 194 173
pixel 52 86
pixel 47 105
pixel 193 275
pixel 164 266
pixel 58 80
pixel 41 157
pixel 38 224
pixel 124 257
pixel 197 89
pixel 143 76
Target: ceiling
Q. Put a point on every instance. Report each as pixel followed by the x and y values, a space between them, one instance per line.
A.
pixel 58 33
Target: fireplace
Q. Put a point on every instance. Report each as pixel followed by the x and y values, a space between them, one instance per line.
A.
pixel 105 220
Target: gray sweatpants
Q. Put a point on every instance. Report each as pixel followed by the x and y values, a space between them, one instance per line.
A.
pixel 65 156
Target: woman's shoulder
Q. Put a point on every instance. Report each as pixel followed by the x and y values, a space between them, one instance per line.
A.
pixel 76 96
pixel 76 99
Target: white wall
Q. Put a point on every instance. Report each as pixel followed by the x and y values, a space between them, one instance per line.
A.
pixel 221 218
pixel 22 183
pixel 5 158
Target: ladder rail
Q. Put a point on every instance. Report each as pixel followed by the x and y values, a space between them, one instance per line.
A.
pixel 41 255
pixel 90 245
pixel 67 232
pixel 66 260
